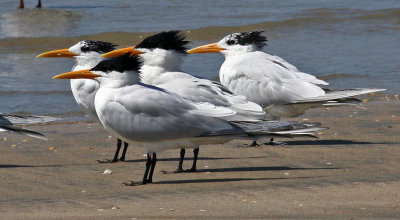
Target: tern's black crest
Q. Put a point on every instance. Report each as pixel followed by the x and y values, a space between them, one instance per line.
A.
pixel 247 38
pixel 120 64
pixel 168 40
pixel 97 46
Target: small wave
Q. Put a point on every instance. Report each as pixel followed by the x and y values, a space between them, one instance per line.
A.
pixel 78 7
pixel 39 44
pixel 42 40
pixel 337 76
pixel 385 14
pixel 37 22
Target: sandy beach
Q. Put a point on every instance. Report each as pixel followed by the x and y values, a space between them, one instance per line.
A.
pixel 350 172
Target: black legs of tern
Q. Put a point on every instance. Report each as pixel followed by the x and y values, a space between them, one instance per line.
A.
pixel 148 173
pixel 195 154
pixel 150 165
pixel 115 159
pixel 182 156
pixel 119 144
pixel 180 165
pixel 122 158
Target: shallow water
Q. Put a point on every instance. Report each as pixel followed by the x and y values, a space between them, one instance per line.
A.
pixel 347 43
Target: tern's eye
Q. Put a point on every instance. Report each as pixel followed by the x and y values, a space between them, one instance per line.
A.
pixel 230 42
pixel 84 48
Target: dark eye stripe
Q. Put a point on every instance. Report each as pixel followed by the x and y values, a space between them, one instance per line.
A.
pixel 97 46
pixel 247 38
pixel 230 42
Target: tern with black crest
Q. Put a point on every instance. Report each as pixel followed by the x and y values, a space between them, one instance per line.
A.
pixel 156 119
pixel 270 81
pixel 162 56
pixel 87 54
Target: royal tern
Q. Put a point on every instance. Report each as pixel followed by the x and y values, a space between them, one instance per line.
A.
pixel 148 116
pixel 9 123
pixel 270 81
pixel 162 55
pixel 87 55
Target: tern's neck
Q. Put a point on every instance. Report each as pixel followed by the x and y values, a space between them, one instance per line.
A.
pixel 87 61
pixel 239 50
pixel 159 62
pixel 127 78
pixel 165 59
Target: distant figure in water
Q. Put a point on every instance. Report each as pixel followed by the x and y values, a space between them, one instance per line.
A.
pixel 21 4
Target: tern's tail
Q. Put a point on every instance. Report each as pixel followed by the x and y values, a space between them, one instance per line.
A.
pixel 8 119
pixel 18 130
pixel 338 96
pixel 269 129
pixel 280 128
pixel 331 98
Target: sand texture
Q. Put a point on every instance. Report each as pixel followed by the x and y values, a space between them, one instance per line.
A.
pixel 351 172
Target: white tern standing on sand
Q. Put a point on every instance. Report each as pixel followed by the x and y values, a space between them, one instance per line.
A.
pixel 151 117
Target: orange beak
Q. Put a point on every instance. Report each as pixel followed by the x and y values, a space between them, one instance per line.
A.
pixel 209 48
pixel 80 74
pixel 122 51
pixel 58 53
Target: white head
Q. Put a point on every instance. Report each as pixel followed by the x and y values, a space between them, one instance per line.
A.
pixel 233 44
pixel 114 72
pixel 86 52
pixel 165 49
pixel 92 48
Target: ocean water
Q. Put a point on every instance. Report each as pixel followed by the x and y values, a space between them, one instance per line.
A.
pixel 349 43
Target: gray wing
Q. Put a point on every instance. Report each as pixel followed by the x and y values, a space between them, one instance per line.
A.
pixel 142 114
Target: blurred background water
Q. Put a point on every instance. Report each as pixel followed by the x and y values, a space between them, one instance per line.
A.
pixel 349 43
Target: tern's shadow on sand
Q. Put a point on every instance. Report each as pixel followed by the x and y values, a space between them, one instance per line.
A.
pixel 200 158
pixel 331 142
pixel 269 168
pixel 227 180
pixel 29 166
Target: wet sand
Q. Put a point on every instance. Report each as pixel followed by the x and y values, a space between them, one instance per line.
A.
pixel 350 172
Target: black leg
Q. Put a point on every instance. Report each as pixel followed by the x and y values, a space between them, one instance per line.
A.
pixel 195 155
pixel 153 165
pixel 124 152
pixel 21 4
pixel 180 165
pixel 119 143
pixel 146 172
pixel 39 4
